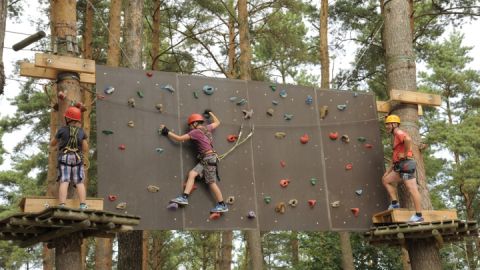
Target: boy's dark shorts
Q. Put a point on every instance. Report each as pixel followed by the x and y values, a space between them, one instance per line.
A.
pixel 406 168
pixel 207 168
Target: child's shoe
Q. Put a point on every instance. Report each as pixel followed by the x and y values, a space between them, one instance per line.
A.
pixel 83 206
pixel 219 208
pixel 180 200
pixel 393 206
pixel 415 219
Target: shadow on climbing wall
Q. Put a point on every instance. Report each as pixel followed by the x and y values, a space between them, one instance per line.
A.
pixel 313 162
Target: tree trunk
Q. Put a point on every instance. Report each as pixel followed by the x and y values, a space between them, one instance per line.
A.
pixel 68 255
pixel 103 253
pixel 324 60
pixel 294 247
pixel 400 67
pixel 3 21
pixel 226 253
pixel 156 34
pixel 346 247
pixel 231 41
pixel 113 53
pixel 245 48
pixel 130 244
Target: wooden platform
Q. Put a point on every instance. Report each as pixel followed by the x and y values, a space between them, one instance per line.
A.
pixel 33 204
pixel 402 215
pixel 28 229
pixel 441 231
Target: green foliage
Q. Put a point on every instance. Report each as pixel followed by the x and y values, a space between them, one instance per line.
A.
pixel 12 257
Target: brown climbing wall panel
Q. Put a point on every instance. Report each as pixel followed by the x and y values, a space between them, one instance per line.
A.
pixel 253 171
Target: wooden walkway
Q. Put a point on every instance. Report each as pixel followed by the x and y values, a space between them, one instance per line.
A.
pixel 28 229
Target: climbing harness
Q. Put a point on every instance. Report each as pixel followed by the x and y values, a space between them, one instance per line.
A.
pixel 72 146
pixel 238 142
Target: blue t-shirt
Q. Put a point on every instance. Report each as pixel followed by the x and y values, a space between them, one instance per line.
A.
pixel 63 134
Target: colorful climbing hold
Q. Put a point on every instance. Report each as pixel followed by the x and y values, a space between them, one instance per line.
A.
pixel 304 139
pixel 121 147
pixel 267 199
pixel 232 138
pixel 345 138
pixel 172 206
pixel 149 74
pixel 109 90
pixel 159 107
pixel 348 166
pixel 121 205
pixel 284 183
pixel 313 181
pixel 359 192
pixel 241 102
pixel 131 102
pixel 280 208
pixel 251 215
pixel 247 114
pixel 159 150
pixel 195 94
pixel 283 164
pixel 232 99
pixel 274 102
pixel 231 200
pixel 312 203
pixel 270 112
pixel 341 107
pixel 293 202
pixel 280 135
pixel 152 188
pixel 61 95
pixel 168 87
pixel 335 204
pixel 131 124
pixel 283 93
pixel 333 135
pixel 215 216
pixel 368 146
pixel 288 116
pixel 273 87
pixel 107 132
pixel 323 112
pixel 112 197
pixel 309 100
pixel 140 94
pixel 361 139
pixel 208 90
pixel 355 211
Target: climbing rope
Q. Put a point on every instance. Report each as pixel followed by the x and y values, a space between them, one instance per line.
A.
pixel 239 141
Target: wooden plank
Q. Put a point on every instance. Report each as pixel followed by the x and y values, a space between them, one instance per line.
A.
pixel 415 98
pixel 65 63
pixel 383 106
pixel 403 215
pixel 30 70
pixel 34 204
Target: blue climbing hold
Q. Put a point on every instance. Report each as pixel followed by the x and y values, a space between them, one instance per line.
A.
pixel 109 90
pixel 309 100
pixel 208 90
pixel 168 87
pixel 283 93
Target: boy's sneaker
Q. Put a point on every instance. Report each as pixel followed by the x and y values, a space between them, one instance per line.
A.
pixel 180 200
pixel 393 206
pixel 83 206
pixel 415 219
pixel 219 208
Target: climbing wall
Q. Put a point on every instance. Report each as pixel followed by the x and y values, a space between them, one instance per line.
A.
pixel 313 160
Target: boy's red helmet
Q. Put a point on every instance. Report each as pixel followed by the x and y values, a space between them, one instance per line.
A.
pixel 73 113
pixel 195 117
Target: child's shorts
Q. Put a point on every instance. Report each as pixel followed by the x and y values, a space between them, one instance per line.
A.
pixel 207 168
pixel 70 169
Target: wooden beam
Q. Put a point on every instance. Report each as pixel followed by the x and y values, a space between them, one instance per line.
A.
pixel 412 97
pixel 56 234
pixel 40 203
pixel 65 63
pixel 403 215
pixel 30 70
pixel 383 106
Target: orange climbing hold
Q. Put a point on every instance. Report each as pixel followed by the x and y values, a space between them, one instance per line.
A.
pixel 122 147
pixel 312 203
pixel 333 135
pixel 284 183
pixel 367 145
pixel 214 216
pixel 112 197
pixel 348 166
pixel 304 139
pixel 283 164
pixel 232 138
pixel 355 211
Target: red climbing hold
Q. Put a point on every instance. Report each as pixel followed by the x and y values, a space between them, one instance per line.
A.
pixel 333 135
pixel 348 166
pixel 304 139
pixel 355 211
pixel 283 164
pixel 61 95
pixel 121 147
pixel 312 203
pixel 112 197
pixel 232 138
pixel 149 74
pixel 367 145
pixel 214 216
pixel 284 182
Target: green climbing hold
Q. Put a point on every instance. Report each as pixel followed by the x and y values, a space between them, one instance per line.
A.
pixel 362 139
pixel 159 150
pixel 107 132
pixel 313 181
pixel 273 87
pixel 267 199
pixel 140 94
pixel 195 94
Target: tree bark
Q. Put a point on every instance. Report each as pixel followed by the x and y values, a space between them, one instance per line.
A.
pixel 245 48
pixel 68 255
pixel 324 58
pixel 294 246
pixel 156 34
pixel 130 244
pixel 3 21
pixel 346 247
pixel 400 67
pixel 113 52
pixel 232 73
pixel 226 252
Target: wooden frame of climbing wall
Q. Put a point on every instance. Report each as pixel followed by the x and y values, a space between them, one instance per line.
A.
pixel 324 144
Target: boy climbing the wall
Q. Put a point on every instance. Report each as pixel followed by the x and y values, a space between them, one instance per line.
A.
pixel 202 138
pixel 403 167
pixel 72 155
